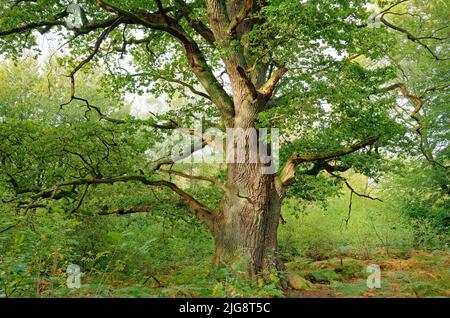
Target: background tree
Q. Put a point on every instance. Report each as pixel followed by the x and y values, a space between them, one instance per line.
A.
pixel 419 186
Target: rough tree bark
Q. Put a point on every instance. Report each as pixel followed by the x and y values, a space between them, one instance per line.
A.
pixel 245 229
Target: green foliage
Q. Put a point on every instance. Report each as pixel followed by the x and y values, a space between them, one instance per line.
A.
pixel 423 198
pixel 321 232
pixel 231 285
pixel 330 97
pixel 35 252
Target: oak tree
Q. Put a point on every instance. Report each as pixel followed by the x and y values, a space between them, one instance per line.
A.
pixel 316 69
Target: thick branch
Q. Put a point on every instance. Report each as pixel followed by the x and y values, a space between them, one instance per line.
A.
pixel 334 154
pixel 240 16
pixel 248 83
pixel 324 165
pixel 32 26
pixel 271 83
pixel 288 172
pixel 170 161
pixel 196 59
pixel 203 212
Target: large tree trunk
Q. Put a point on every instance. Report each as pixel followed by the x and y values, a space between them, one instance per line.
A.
pixel 245 230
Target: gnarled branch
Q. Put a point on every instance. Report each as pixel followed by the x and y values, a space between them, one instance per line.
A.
pixel 420 128
pixel 203 212
pixel 288 172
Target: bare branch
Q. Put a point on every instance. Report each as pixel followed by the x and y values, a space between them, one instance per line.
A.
pixel 393 6
pixel 45 26
pixel 411 37
pixel 190 87
pixel 9 228
pixel 98 43
pixel 351 188
pixel 176 81
pixel 198 26
pixel 434 89
pixel 80 202
pixel 347 219
pixel 130 210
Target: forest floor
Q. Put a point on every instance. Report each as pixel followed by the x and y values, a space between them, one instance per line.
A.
pixel 418 274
